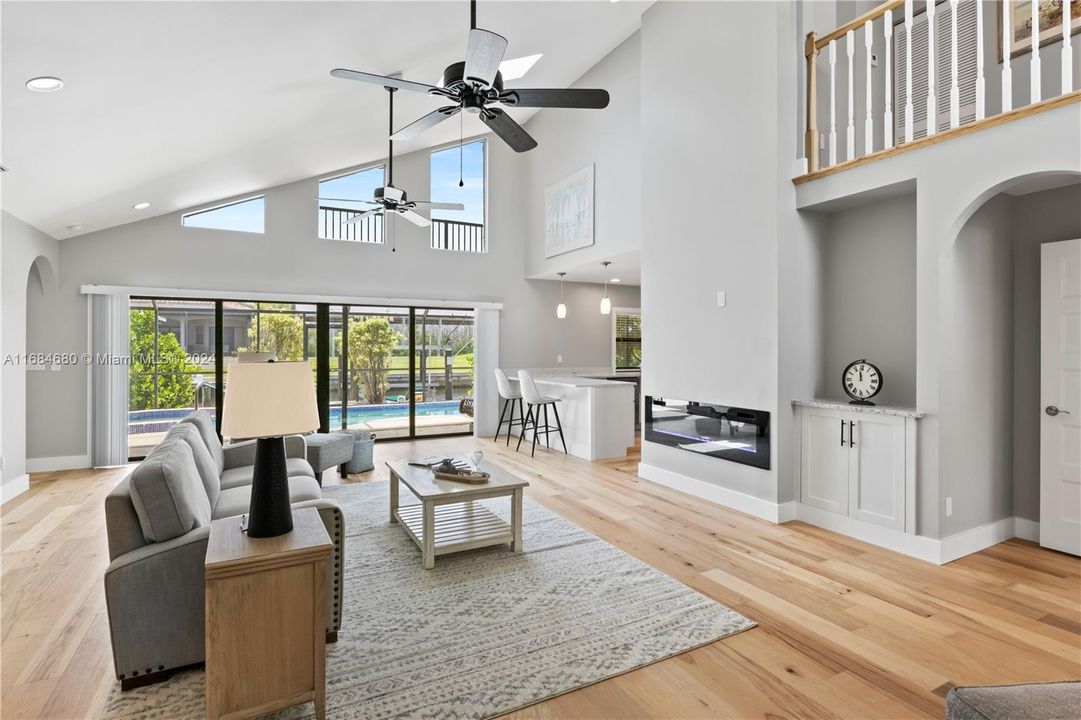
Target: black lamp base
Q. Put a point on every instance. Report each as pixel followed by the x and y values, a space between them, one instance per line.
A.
pixel 270 513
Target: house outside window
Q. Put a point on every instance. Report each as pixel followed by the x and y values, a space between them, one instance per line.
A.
pixel 628 339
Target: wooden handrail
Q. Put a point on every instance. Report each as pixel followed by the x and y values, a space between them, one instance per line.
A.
pixel 810 138
pixel 872 14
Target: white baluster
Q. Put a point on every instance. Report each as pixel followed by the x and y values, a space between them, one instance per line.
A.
pixel 1007 72
pixel 1067 50
pixel 955 94
pixel 932 104
pixel 908 70
pixel 1034 63
pixel 980 103
pixel 887 115
pixel 833 102
pixel 850 144
pixel 868 122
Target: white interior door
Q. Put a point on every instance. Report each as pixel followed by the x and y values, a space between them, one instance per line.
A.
pixel 1060 396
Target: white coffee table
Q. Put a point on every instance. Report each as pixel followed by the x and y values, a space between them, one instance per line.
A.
pixel 448 518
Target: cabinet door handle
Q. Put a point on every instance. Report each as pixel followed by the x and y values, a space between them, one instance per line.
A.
pixel 842 433
pixel 851 429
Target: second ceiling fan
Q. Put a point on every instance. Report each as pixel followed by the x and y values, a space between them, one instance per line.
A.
pixel 476 86
pixel 389 199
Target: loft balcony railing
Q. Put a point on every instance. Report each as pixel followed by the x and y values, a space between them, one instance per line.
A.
pixel 929 61
pixel 446 234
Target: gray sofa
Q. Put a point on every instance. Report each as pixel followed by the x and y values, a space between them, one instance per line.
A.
pixel 158 522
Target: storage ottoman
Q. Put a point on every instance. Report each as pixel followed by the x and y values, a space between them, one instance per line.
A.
pixel 325 450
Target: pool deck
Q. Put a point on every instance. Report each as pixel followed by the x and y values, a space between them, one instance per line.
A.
pixel 140 444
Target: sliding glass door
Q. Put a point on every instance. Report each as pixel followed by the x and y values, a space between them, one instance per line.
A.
pixel 400 372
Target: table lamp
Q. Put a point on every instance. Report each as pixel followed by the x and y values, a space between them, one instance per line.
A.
pixel 267 401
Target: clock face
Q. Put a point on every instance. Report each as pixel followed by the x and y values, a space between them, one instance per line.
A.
pixel 862 380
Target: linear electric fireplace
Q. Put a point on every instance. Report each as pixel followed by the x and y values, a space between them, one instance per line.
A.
pixel 737 434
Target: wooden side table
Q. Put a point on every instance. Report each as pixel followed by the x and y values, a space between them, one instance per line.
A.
pixel 265 618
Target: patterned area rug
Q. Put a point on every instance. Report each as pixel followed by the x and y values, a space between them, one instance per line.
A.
pixel 484 632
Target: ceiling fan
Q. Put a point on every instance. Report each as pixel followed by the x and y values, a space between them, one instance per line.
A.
pixel 476 85
pixel 390 199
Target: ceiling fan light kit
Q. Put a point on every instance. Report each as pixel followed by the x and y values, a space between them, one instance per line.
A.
pixel 476 85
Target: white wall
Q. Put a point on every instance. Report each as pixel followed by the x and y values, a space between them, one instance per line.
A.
pixel 869 297
pixel 21 246
pixel 572 139
pixel 695 136
pixel 289 258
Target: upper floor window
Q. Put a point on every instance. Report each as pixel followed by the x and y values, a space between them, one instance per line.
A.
pixel 340 201
pixel 457 176
pixel 242 215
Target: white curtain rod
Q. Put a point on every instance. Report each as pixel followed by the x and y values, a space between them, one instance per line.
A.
pixel 189 294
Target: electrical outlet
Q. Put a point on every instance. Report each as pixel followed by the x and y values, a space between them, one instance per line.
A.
pixel 559 359
pixel 721 298
pixel 949 506
pixel 874 59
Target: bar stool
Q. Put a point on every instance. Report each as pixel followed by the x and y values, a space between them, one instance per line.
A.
pixel 536 401
pixel 509 396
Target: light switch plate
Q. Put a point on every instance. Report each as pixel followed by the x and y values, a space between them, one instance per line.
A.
pixel 559 359
pixel 721 300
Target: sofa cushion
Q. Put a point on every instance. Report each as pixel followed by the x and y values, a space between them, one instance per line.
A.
pixel 235 477
pixel 205 424
pixel 204 463
pixel 237 500
pixel 167 493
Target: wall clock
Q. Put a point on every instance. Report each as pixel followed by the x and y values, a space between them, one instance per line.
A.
pixel 861 381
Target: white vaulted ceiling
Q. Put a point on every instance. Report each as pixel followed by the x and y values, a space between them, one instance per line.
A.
pixel 183 103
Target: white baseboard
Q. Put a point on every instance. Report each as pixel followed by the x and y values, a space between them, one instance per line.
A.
pixel 715 493
pixel 14 488
pixel 976 539
pixel 1026 529
pixel 916 546
pixel 63 462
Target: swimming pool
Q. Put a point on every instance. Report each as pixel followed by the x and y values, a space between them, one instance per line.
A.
pixel 152 421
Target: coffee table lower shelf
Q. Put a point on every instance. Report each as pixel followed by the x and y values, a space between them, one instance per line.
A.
pixel 457 527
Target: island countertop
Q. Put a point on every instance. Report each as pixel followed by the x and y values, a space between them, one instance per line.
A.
pixel 578 381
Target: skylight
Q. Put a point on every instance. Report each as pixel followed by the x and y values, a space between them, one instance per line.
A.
pixel 517 67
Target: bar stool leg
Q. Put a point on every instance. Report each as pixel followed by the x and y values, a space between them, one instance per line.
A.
pixel 547 430
pixel 536 429
pixel 501 414
pixel 525 425
pixel 559 426
pixel 510 422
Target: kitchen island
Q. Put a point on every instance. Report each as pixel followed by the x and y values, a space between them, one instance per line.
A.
pixel 597 414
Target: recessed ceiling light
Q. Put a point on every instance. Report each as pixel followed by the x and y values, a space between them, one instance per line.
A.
pixel 140 206
pixel 517 67
pixel 3 169
pixel 44 84
pixel 75 228
pixel 614 280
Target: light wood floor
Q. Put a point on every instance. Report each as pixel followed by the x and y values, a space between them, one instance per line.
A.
pixel 846 630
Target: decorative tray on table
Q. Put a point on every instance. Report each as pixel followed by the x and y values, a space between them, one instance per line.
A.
pixel 454 469
pixel 473 477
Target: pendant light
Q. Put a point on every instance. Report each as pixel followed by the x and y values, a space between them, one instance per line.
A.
pixel 561 309
pixel 606 304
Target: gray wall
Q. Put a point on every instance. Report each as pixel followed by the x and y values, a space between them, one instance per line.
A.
pixel 22 246
pixel 977 371
pixel 732 162
pixel 289 258
pixel 571 139
pixel 1038 218
pixel 869 297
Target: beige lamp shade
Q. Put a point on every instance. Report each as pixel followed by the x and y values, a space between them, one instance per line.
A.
pixel 268 400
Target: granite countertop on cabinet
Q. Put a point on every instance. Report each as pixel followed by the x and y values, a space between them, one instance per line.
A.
pixel 873 409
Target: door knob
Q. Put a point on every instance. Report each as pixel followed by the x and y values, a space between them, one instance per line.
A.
pixel 1053 411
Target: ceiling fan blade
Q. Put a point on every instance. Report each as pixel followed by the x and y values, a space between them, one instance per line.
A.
pixel 350 200
pixel 415 218
pixel 427 205
pixel 568 98
pixel 361 216
pixel 483 55
pixel 382 80
pixel 504 126
pixel 426 122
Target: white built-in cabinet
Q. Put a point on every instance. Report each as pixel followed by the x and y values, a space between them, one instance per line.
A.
pixel 859 462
